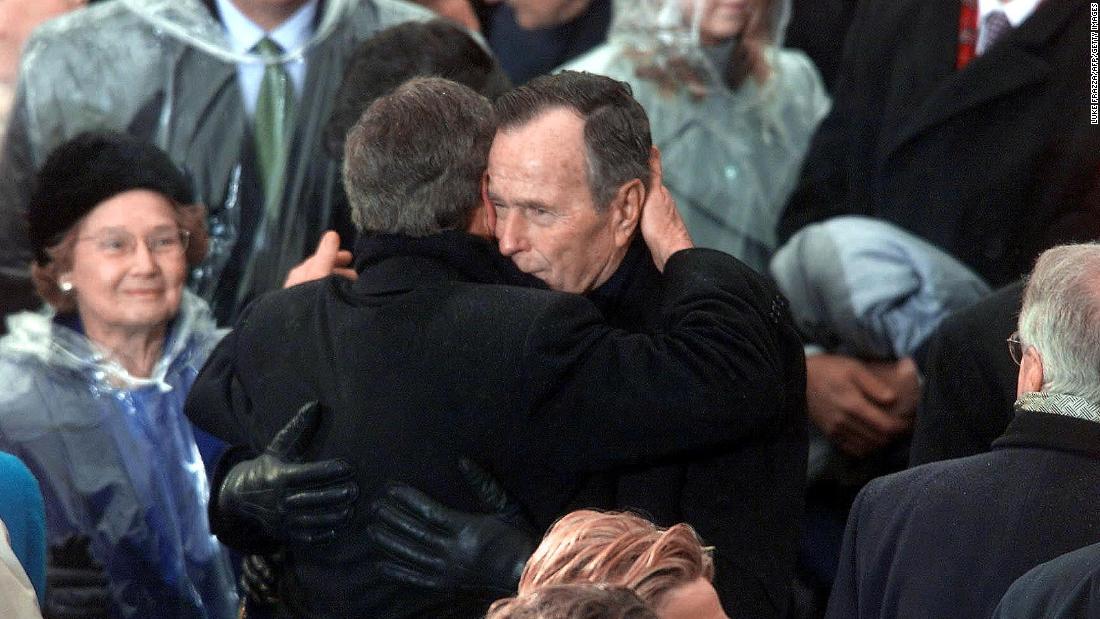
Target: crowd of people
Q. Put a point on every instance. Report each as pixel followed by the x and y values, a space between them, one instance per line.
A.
pixel 541 309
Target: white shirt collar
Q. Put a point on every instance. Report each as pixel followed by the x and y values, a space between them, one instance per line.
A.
pixel 1015 10
pixel 291 35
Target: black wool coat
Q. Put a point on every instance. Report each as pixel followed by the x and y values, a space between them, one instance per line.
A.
pixel 947 539
pixel 993 163
pixel 745 499
pixel 969 380
pixel 419 363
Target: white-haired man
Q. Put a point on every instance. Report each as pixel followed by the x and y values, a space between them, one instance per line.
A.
pixel 948 538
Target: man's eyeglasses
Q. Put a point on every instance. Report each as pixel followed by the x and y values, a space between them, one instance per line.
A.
pixel 115 244
pixel 1016 347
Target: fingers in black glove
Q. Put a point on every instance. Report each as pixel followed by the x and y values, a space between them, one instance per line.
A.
pixel 492 494
pixel 260 578
pixel 290 500
pixel 425 544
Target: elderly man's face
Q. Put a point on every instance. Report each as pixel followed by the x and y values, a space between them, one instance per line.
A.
pixel 546 219
pixel 532 14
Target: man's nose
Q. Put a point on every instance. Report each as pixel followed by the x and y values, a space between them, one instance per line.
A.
pixel 510 231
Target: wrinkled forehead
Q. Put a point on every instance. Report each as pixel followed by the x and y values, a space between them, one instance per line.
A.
pixel 549 148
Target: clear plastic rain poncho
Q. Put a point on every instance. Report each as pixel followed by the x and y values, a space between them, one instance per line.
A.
pixel 117 461
pixel 164 70
pixel 731 156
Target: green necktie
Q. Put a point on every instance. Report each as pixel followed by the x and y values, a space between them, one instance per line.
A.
pixel 274 120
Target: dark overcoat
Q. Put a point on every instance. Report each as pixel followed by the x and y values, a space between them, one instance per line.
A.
pixel 418 363
pixel 947 539
pixel 745 499
pixel 993 163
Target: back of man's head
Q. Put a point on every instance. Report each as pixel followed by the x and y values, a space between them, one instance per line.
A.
pixel 413 162
pixel 1061 319
pixel 616 130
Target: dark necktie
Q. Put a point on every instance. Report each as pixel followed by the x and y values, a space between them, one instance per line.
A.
pixel 995 26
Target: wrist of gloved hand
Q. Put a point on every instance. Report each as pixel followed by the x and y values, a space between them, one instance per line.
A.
pixel 233 529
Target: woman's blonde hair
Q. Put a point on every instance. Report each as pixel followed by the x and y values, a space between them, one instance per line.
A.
pixel 619 549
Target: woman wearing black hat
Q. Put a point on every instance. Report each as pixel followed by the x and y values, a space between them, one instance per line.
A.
pixel 94 385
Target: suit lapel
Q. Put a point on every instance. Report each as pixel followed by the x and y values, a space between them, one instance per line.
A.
pixel 1014 63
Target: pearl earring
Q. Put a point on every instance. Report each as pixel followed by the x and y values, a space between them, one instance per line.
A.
pixel 65 285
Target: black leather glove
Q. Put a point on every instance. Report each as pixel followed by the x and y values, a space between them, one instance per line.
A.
pixel 427 545
pixel 76 587
pixel 290 500
pixel 260 579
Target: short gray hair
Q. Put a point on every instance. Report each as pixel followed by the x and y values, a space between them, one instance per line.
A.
pixel 413 162
pixel 1061 318
pixel 616 129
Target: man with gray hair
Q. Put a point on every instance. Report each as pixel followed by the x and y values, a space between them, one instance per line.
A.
pixel 429 357
pixel 947 539
pixel 568 176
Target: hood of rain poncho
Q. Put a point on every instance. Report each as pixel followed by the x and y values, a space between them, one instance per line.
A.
pixel 664 36
pixel 129 66
pixel 866 288
pixel 731 157
pixel 117 460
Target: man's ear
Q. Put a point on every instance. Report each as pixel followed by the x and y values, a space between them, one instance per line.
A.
pixel 483 219
pixel 626 210
pixel 490 212
pixel 1031 372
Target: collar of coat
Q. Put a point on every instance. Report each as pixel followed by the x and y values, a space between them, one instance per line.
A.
pixel 1058 432
pixel 450 254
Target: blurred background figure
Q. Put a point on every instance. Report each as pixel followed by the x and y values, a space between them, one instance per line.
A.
pixel 17 19
pixel 531 37
pixel 668 568
pixel 237 92
pixel 95 386
pixel 460 12
pixel 731 111
pixel 818 28
pixel 24 520
pixel 17 596
pixel 381 64
pixel 573 602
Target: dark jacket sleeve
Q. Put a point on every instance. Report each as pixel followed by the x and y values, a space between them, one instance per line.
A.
pixel 845 595
pixel 724 364
pixel 1065 588
pixel 217 403
pixel 970 381
pixel 16 175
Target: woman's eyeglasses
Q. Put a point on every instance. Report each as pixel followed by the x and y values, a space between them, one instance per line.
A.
pixel 119 243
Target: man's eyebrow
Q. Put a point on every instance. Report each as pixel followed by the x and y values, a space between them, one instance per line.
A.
pixel 529 203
